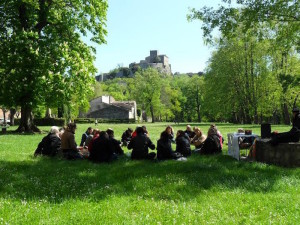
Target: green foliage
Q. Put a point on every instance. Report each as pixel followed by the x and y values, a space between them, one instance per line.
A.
pixel 204 189
pixel 44 62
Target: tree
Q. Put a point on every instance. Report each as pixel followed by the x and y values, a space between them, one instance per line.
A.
pixel 43 59
pixel 148 90
pixel 249 14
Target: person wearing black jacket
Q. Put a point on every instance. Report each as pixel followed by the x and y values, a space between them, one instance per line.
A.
pixel 126 137
pixel 140 145
pixel 291 136
pixel 102 151
pixel 183 143
pixel 114 144
pixel 164 147
pixel 211 144
pixel 50 144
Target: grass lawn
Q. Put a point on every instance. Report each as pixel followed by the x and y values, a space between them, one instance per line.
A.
pixel 202 190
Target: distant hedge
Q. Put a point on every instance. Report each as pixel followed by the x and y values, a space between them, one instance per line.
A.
pixel 46 122
pixel 92 120
pixel 61 122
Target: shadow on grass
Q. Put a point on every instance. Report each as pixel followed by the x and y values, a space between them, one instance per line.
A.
pixel 58 180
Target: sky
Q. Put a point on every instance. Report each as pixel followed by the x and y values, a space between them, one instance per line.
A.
pixel 137 26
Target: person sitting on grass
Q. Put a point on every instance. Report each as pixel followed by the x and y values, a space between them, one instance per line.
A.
pixel 126 137
pixel 101 150
pixel 170 133
pixel 189 132
pixel 212 143
pixel 183 144
pixel 140 145
pixel 134 134
pixel 50 144
pixel 220 135
pixel 96 135
pixel 198 139
pixel 85 135
pixel 68 143
pixel 164 148
pixel 114 144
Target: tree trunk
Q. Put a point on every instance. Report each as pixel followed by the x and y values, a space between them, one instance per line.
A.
pixel 26 122
pixel 286 114
pixel 12 116
pixel 4 115
pixel 152 113
pixel 48 113
pixel 198 105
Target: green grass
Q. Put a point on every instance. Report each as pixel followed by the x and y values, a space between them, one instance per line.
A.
pixel 202 190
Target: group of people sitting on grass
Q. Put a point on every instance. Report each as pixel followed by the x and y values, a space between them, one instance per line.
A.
pixel 101 146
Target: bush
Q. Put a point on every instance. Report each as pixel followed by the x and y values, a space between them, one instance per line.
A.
pixel 92 120
pixel 45 122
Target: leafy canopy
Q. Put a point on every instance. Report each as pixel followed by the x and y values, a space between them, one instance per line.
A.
pixel 43 60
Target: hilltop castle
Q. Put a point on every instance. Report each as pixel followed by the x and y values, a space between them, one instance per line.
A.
pixel 160 62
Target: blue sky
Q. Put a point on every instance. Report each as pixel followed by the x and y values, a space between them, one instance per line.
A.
pixel 137 26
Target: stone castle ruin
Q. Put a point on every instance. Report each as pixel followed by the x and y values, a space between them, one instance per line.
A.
pixel 159 62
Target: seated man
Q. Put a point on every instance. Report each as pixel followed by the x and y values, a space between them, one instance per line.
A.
pixel 50 144
pixel 85 135
pixel 189 132
pixel 140 144
pixel 293 135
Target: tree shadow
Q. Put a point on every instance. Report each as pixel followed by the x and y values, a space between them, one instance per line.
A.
pixel 57 180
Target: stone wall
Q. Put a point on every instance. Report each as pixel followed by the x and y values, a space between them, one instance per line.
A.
pixel 109 112
pixel 283 154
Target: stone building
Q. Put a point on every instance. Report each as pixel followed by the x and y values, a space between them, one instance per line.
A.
pixel 105 107
pixel 160 62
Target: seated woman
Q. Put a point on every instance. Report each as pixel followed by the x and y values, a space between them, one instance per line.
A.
pixel 219 133
pixel 50 144
pixel 183 144
pixel 140 144
pixel 101 150
pixel 126 137
pixel 212 143
pixel 164 148
pixel 198 139
pixel 170 133
pixel 68 144
pixel 114 144
pixel 96 135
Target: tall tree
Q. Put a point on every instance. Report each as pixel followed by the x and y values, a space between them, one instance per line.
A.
pixel 148 90
pixel 43 59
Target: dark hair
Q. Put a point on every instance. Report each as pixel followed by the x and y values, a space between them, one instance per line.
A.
pixel 129 129
pixel 103 134
pixel 181 132
pixel 164 135
pixel 140 130
pixel 89 128
pixel 72 126
pixel 110 132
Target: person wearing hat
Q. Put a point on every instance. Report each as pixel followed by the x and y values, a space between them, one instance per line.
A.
pixel 293 135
